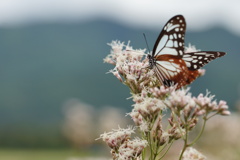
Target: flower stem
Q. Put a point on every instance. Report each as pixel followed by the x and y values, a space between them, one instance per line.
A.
pixel 201 132
pixel 207 118
pixel 166 150
pixel 185 142
pixel 163 147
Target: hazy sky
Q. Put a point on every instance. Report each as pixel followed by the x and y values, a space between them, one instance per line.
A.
pixel 200 14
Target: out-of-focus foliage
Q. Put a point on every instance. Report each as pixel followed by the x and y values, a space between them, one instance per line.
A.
pixel 82 124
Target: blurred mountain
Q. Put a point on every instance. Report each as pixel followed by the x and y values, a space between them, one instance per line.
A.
pixel 44 65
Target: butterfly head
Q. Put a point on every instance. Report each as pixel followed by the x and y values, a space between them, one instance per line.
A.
pixel 152 61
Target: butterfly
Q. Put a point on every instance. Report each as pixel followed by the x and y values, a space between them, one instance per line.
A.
pixel 171 65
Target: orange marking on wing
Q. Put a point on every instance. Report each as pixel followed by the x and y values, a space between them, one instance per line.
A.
pixel 184 76
pixel 192 75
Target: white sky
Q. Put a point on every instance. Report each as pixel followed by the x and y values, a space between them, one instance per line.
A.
pixel 199 14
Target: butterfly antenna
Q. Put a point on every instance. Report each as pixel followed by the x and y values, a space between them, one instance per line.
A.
pixel 146 42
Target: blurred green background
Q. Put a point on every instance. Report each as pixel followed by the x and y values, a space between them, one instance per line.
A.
pixel 44 65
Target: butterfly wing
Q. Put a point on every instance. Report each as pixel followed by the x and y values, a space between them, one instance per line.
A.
pixel 196 60
pixel 171 39
pixel 171 70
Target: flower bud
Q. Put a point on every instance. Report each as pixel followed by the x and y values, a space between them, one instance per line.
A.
pixel 225 113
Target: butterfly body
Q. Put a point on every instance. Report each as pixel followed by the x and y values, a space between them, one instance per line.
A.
pixel 170 63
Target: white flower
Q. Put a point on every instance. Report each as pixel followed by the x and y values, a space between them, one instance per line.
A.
pixel 205 101
pixel 149 107
pixel 131 66
pixel 180 99
pixel 201 72
pixel 223 108
pixel 225 113
pixel 191 48
pixel 117 137
pixel 136 117
pixel 176 132
pixel 131 149
pixel 193 154
pixel 144 126
pixel 117 46
pixel 206 104
pixel 162 91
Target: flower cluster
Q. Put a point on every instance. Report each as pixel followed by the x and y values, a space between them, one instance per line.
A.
pixel 116 138
pixel 148 104
pixel 131 149
pixel 206 105
pixel 154 103
pixel 130 67
pixel 122 148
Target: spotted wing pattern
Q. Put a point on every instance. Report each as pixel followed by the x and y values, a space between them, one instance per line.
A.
pixel 196 60
pixel 171 38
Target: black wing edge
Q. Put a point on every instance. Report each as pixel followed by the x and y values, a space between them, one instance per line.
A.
pixel 215 55
pixel 162 32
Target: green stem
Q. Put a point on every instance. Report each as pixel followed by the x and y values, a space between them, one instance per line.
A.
pixel 155 156
pixel 150 144
pixel 143 154
pixel 185 143
pixel 155 152
pixel 166 150
pixel 183 150
pixel 153 144
pixel 178 125
pixel 201 132
pixel 163 147
pixel 211 116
